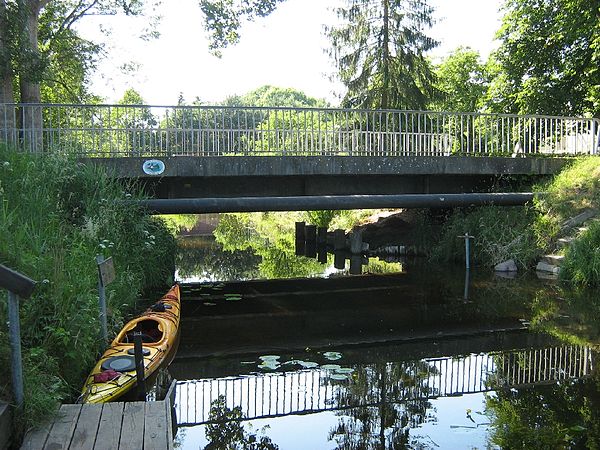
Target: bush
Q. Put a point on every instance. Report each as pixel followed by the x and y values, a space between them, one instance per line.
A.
pixel 55 216
pixel 582 259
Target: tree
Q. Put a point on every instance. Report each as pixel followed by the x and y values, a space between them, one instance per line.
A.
pixel 461 79
pixel 548 62
pixel 223 19
pixel 379 51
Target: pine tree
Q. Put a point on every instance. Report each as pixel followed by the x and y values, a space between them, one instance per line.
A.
pixel 379 53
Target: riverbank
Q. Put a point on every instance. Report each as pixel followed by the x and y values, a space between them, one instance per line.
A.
pixel 522 234
pixel 55 216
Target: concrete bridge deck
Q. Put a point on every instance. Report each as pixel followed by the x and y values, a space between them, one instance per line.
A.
pixel 217 151
pixel 228 176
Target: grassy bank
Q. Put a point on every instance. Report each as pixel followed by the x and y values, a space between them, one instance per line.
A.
pixel 526 233
pixel 55 217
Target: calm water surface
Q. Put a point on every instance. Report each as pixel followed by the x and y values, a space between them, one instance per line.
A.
pixel 279 351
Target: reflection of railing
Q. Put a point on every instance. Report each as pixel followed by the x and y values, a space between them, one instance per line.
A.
pixel 308 391
pixel 144 130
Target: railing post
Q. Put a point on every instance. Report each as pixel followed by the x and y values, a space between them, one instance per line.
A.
pixel 14 332
pixel 16 284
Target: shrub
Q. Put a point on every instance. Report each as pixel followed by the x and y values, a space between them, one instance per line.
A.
pixel 55 216
pixel 582 258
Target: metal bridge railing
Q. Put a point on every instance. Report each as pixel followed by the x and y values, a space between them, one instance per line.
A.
pixel 144 130
pixel 309 391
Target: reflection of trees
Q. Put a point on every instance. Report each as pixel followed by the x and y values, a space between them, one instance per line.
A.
pixel 269 236
pixel 225 432
pixel 386 401
pixel 203 257
pixel 565 415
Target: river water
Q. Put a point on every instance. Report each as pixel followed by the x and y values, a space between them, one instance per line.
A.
pixel 280 351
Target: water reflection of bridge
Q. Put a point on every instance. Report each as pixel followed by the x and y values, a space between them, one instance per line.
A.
pixel 313 390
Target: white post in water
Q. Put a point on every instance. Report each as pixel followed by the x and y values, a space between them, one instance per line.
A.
pixel 467 239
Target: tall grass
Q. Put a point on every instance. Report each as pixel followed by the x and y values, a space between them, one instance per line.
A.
pixel 56 215
pixel 582 259
pixel 500 233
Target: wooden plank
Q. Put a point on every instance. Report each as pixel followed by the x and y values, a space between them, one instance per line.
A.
pixel 62 430
pixel 132 428
pixel 155 429
pixel 36 437
pixel 170 407
pixel 109 429
pixel 84 436
pixel 16 282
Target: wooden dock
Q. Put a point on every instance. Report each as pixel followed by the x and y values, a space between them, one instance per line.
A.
pixel 108 426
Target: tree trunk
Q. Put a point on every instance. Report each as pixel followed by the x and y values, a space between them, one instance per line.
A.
pixel 30 76
pixel 7 112
pixel 385 63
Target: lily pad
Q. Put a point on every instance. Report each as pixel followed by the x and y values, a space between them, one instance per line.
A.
pixel 332 356
pixel 233 299
pixel 344 370
pixel 334 367
pixel 308 364
pixel 269 357
pixel 338 376
pixel 270 364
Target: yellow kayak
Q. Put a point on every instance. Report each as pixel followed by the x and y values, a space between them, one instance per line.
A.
pixel 114 374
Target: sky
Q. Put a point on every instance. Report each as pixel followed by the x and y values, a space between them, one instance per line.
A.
pixel 286 49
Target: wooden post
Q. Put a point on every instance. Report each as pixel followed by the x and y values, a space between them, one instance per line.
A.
pixel 339 240
pixel 139 365
pixel 300 231
pixel 356 246
pixel 322 255
pixel 106 275
pixel 356 264
pixel 321 237
pixel 300 238
pixel 339 260
pixel 311 241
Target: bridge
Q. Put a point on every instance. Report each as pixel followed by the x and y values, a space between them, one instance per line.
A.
pixel 309 391
pixel 218 151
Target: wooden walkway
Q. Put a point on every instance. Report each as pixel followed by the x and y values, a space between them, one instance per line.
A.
pixel 108 426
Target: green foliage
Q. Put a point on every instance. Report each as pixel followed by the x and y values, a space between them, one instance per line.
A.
pixel 55 216
pixel 461 79
pixel 547 62
pixel 223 19
pixel 321 218
pixel 575 189
pixel 379 48
pixel 270 96
pixel 559 416
pixel 202 257
pixel 501 233
pixel 270 236
pixel 582 258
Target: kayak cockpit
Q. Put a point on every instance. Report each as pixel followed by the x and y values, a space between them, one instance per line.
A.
pixel 151 329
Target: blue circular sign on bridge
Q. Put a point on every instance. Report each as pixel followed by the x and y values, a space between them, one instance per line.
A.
pixel 153 167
